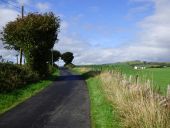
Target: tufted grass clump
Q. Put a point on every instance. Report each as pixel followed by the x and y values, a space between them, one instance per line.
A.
pixel 138 105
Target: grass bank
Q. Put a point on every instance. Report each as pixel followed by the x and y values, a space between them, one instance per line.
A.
pixel 103 113
pixel 126 103
pixel 10 99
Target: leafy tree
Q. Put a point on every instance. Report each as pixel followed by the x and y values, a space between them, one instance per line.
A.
pixel 55 55
pixel 36 34
pixel 67 57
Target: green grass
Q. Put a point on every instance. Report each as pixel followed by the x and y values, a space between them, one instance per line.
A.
pixel 103 114
pixel 160 77
pixel 9 100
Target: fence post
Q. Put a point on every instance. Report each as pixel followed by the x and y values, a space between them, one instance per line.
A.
pixel 137 76
pixel 130 79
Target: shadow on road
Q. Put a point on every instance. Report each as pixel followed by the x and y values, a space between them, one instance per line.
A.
pixel 70 78
pixel 83 76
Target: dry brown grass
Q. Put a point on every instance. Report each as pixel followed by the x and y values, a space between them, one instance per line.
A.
pixel 138 105
pixel 83 69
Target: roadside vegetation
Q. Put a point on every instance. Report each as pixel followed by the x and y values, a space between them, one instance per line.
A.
pixel 131 95
pixel 10 99
pixel 103 114
pixel 135 104
pixel 15 76
pixel 138 105
pixel 33 37
pixel 68 57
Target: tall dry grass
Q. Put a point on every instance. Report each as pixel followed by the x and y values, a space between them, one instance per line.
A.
pixel 138 105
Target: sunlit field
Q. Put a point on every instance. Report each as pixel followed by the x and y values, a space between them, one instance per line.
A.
pixel 159 77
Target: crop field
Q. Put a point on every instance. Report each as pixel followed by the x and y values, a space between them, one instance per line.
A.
pixel 159 77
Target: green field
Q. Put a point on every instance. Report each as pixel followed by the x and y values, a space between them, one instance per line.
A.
pixel 160 77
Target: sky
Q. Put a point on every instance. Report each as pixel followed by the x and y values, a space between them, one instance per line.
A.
pixel 102 31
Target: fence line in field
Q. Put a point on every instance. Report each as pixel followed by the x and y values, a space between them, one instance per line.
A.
pixel 163 100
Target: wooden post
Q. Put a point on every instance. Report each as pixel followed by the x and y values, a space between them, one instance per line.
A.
pixel 52 57
pixel 22 14
pixel 137 76
pixel 130 79
pixel 17 58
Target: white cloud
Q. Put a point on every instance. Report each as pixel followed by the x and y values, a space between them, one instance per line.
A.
pixel 156 28
pixel 64 26
pixel 153 42
pixel 85 53
pixel 43 6
pixel 138 10
pixel 6 15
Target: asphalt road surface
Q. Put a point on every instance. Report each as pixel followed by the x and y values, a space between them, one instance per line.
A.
pixel 64 104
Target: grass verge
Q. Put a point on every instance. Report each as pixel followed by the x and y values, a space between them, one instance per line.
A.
pixel 134 105
pixel 103 113
pixel 138 104
pixel 9 100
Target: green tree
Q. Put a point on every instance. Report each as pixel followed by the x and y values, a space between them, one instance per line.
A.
pixel 53 56
pixel 67 57
pixel 36 34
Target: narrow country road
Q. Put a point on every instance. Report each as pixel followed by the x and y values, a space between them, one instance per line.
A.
pixel 64 104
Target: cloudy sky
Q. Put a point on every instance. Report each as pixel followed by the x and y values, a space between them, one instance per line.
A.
pixel 102 31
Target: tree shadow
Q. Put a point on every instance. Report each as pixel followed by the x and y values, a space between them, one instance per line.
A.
pixel 69 78
pixel 51 78
pixel 83 76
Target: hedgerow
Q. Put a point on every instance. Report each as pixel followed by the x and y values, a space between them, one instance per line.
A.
pixel 14 76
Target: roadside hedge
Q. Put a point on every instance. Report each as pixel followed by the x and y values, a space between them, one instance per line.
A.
pixel 14 76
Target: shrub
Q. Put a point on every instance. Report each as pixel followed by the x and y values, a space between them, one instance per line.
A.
pixel 36 34
pixel 14 76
